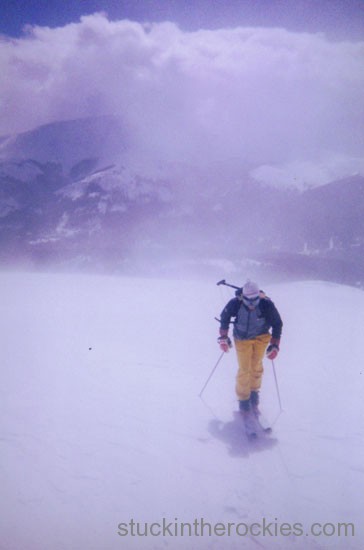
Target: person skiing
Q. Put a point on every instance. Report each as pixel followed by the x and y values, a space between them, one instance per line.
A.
pixel 255 315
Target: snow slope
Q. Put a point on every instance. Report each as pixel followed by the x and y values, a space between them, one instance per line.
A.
pixel 101 421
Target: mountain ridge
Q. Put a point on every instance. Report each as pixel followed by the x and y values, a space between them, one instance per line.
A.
pixel 87 208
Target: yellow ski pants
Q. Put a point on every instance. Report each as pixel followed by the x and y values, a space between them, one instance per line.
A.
pixel 250 355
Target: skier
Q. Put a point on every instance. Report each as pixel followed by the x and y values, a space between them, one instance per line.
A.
pixel 255 314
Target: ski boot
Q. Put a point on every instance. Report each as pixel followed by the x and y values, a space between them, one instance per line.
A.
pixel 254 403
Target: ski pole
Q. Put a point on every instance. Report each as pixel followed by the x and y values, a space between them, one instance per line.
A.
pixel 277 388
pixel 212 372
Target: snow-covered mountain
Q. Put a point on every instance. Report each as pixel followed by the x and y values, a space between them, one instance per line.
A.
pixel 100 140
pixel 101 421
pixel 79 193
pixel 67 198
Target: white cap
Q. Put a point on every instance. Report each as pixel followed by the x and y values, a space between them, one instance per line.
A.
pixel 251 290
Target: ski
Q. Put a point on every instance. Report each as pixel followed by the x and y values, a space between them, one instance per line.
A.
pixel 251 434
pixel 250 426
pixel 254 425
pixel 262 424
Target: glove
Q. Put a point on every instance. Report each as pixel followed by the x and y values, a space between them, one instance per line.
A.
pixel 224 343
pixel 273 349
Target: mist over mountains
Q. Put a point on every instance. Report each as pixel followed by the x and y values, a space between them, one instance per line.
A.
pixel 79 194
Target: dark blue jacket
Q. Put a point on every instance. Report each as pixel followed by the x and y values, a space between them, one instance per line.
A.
pixel 249 324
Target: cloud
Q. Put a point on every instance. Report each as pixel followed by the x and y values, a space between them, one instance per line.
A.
pixel 265 96
pixel 303 174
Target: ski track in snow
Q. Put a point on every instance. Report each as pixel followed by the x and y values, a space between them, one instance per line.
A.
pixel 101 420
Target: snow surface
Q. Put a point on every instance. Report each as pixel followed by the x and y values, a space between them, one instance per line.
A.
pixel 101 420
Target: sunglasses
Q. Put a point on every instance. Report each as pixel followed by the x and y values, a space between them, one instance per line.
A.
pixel 251 301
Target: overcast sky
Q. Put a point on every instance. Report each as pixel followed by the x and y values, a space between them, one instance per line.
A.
pixel 279 88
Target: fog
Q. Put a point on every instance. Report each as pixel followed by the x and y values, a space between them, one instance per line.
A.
pixel 160 154
pixel 182 146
